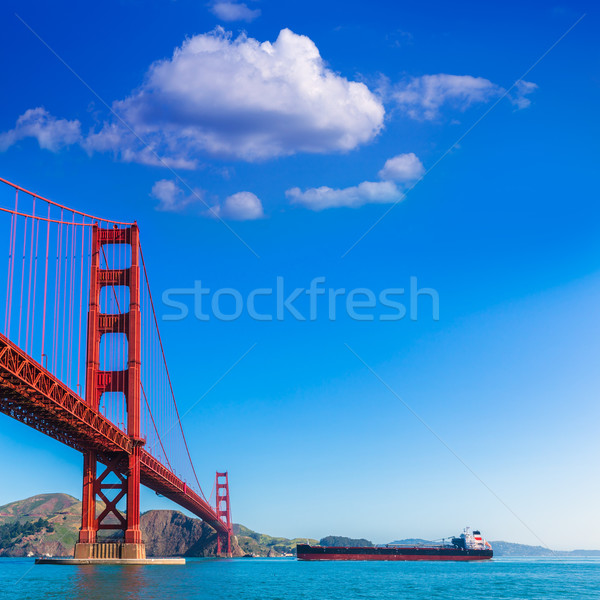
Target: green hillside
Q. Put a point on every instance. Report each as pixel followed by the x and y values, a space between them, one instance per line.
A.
pixel 43 524
pixel 260 544
pixel 337 540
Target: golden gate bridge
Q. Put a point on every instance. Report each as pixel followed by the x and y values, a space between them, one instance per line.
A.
pixel 82 361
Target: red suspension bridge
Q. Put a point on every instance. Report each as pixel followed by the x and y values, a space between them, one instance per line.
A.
pixel 82 360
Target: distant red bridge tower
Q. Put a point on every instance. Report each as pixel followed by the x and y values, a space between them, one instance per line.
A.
pixel 223 513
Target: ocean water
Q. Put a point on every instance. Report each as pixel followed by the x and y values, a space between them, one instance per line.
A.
pixel 279 579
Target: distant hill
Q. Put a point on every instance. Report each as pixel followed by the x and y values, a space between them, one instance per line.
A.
pixel 61 512
pixel 260 544
pixel 336 540
pixel 509 549
pixel 43 505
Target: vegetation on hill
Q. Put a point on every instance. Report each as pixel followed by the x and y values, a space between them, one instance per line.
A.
pixel 46 524
pixel 337 540
pixel 260 544
pixel 42 505
pixel 11 532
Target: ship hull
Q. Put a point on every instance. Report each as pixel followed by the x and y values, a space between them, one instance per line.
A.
pixel 306 552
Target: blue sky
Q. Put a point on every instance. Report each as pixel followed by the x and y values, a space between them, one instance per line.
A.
pixel 273 142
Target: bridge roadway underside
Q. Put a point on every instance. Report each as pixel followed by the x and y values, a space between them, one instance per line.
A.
pixel 32 395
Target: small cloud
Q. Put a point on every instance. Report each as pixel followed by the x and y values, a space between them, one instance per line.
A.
pixel 234 11
pixel 422 98
pixel 172 198
pixel 51 133
pixel 402 168
pixel 112 138
pixel 367 192
pixel 523 89
pixel 243 206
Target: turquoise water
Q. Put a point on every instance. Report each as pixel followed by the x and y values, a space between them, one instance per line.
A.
pixel 277 579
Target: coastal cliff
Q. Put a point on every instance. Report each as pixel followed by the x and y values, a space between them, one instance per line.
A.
pixel 171 533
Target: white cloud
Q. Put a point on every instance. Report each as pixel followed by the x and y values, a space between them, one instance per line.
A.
pixel 523 88
pixel 399 170
pixel 111 138
pixel 423 97
pixel 402 168
pixel 367 192
pixel 244 99
pixel 243 206
pixel 51 133
pixel 172 198
pixel 234 11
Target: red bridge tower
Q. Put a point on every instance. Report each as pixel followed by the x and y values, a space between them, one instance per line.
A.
pixel 121 467
pixel 223 513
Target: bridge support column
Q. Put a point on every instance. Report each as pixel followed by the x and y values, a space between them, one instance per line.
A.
pixel 84 548
pixel 133 547
pixel 89 527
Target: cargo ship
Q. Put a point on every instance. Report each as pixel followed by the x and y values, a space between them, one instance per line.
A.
pixel 468 546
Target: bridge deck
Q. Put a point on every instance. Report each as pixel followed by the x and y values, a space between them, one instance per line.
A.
pixel 32 395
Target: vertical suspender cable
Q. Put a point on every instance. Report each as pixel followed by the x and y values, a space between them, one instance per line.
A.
pixel 12 266
pixel 45 285
pixel 80 311
pixel 22 279
pixel 65 316
pixel 57 295
pixel 33 304
pixel 71 285
pixel 33 223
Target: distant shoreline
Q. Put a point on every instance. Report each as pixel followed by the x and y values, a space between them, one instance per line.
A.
pixel 48 524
